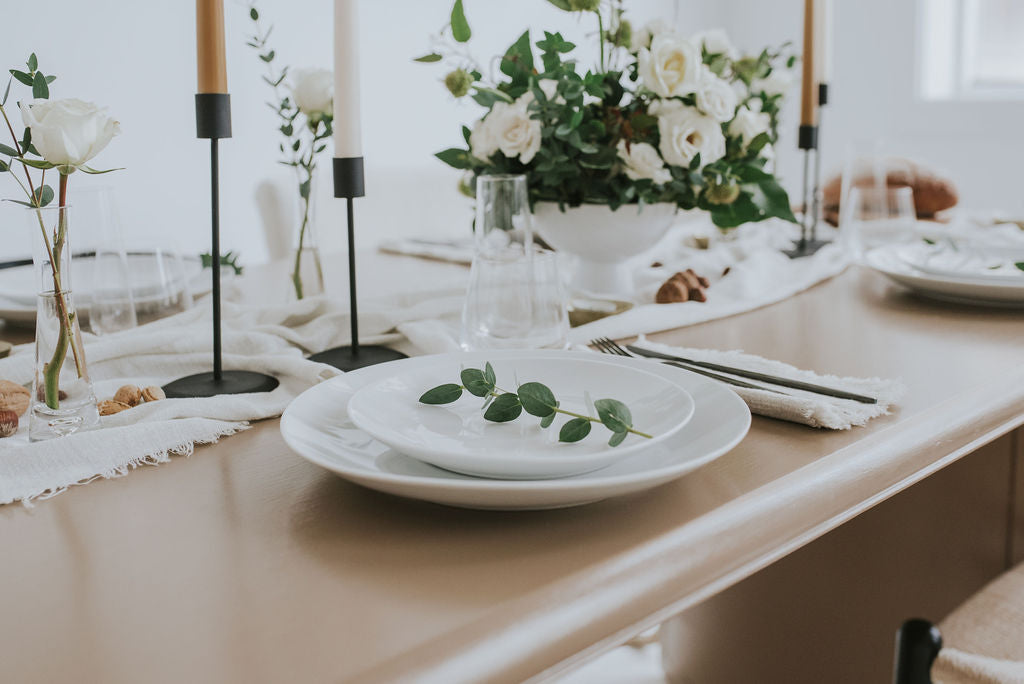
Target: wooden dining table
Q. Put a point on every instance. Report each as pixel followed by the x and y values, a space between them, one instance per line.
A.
pixel 245 563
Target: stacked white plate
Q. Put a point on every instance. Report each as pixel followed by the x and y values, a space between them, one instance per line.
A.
pixel 369 427
pixel 985 274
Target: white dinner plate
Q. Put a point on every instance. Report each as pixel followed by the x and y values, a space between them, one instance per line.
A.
pixel 457 437
pixel 1000 293
pixel 18 292
pixel 965 262
pixel 316 425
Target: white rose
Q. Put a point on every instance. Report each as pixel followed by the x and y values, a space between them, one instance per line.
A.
pixel 716 97
pixel 514 132
pixel 716 42
pixel 776 83
pixel 642 38
pixel 671 66
pixel 313 91
pixel 482 143
pixel 68 132
pixel 642 162
pixel 749 124
pixel 685 132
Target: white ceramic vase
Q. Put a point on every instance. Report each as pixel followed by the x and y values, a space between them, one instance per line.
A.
pixel 603 241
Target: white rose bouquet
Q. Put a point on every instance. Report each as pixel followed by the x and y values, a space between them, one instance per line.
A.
pixel 304 106
pixel 662 117
pixel 61 135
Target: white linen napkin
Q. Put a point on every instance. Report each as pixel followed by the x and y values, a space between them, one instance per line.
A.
pixel 797 406
pixel 271 340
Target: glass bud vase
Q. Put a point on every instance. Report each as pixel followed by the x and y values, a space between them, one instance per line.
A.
pixel 306 275
pixel 63 401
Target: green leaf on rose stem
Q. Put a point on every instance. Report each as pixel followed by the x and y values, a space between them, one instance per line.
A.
pixel 505 408
pixel 32 62
pixel 475 382
pixel 455 158
pixel 466 133
pixel 617 438
pixel 24 204
pixel 489 374
pixel 22 77
pixel 44 195
pixel 50 79
pixel 40 89
pixel 9 151
pixel 36 163
pixel 537 399
pixel 26 139
pixel 518 60
pixel 7 91
pixel 442 394
pixel 614 414
pixel 254 14
pixel 486 97
pixel 547 420
pixel 460 27
pixel 304 189
pixel 3 166
pixel 574 430
pixel 95 172
pixel 427 59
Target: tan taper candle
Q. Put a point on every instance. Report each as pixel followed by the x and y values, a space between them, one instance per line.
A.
pixel 212 69
pixel 809 84
pixel 347 135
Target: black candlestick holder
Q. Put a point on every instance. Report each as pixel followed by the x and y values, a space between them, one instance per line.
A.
pixel 349 184
pixel 809 140
pixel 213 121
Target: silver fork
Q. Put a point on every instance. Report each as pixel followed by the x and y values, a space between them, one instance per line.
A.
pixel 609 346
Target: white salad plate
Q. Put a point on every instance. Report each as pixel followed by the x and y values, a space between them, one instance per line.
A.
pixel 456 436
pixel 967 290
pixel 317 426
pixel 947 259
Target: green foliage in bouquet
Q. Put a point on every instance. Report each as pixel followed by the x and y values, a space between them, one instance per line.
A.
pixel 661 118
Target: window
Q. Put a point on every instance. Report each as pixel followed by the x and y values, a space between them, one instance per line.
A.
pixel 971 49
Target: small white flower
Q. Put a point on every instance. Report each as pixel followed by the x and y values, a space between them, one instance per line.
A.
pixel 68 132
pixel 685 132
pixel 749 124
pixel 670 67
pixel 641 162
pixel 508 128
pixel 312 91
pixel 642 38
pixel 716 42
pixel 548 86
pixel 716 97
pixel 778 82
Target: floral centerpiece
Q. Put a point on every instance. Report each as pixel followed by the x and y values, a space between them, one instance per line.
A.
pixel 303 102
pixel 60 136
pixel 680 122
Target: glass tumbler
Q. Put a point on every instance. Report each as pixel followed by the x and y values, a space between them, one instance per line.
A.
pixel 873 217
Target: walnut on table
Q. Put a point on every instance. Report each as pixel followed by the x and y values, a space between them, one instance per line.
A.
pixel 684 286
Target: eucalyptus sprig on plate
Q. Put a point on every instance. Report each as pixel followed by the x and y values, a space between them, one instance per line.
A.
pixel 502 406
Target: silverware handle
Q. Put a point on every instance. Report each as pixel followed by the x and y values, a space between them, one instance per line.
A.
pixel 722 378
pixel 763 377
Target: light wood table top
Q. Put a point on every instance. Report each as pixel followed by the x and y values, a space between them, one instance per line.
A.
pixel 245 563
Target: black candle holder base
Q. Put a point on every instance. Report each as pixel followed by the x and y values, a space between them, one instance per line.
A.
pixel 230 382
pixel 803 248
pixel 347 358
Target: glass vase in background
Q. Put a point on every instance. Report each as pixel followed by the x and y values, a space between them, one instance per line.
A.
pixel 306 275
pixel 515 298
pixel 109 295
pixel 873 217
pixel 63 401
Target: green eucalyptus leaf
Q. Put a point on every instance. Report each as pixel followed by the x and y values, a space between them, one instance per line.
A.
pixel 9 151
pixel 614 414
pixel 475 382
pixel 442 394
pixel 95 172
pixel 562 5
pixel 537 399
pixel 24 204
pixel 22 77
pixel 460 27
pixel 426 59
pixel 44 195
pixel 455 158
pixel 7 92
pixel 40 89
pixel 547 420
pixel 253 14
pixel 33 62
pixel 505 408
pixel 3 166
pixel 616 439
pixel 1019 265
pixel 36 163
pixel 50 79
pixel 489 374
pixel 574 430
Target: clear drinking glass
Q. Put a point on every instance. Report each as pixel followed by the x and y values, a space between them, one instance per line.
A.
pixel 873 217
pixel 111 299
pixel 515 298
pixel 160 281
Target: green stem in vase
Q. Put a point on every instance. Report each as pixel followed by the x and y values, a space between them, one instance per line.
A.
pixel 297 272
pixel 51 370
